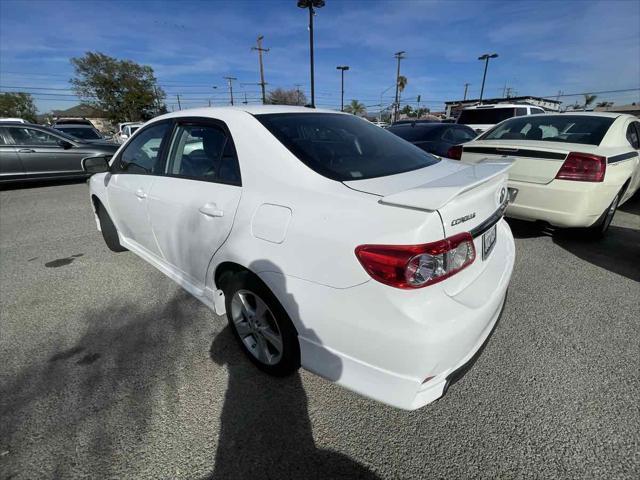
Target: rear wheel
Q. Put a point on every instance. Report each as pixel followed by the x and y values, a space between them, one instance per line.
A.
pixel 109 232
pixel 261 325
pixel 598 229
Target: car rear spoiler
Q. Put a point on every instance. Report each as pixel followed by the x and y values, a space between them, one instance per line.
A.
pixel 436 194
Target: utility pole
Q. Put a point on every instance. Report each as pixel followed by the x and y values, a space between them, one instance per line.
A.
pixel 230 80
pixel 466 86
pixel 245 98
pixel 310 4
pixel 298 85
pixel 179 106
pixel 509 91
pixel 399 56
pixel 260 50
pixel 342 69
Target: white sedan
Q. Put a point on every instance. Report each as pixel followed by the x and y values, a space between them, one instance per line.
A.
pixel 328 242
pixel 570 170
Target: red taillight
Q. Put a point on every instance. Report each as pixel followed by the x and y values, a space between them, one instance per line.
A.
pixel 455 152
pixel 416 266
pixel 583 167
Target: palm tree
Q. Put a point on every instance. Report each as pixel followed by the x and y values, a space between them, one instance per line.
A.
pixel 355 107
pixel 604 104
pixel 589 99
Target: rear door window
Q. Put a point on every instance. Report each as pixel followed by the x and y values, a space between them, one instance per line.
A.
pixel 203 152
pixel 632 135
pixel 344 147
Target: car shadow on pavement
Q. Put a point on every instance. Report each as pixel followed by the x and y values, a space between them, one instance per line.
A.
pixel 265 429
pixel 70 413
pixel 24 184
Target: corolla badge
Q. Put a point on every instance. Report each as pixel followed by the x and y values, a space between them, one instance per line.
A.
pixel 460 220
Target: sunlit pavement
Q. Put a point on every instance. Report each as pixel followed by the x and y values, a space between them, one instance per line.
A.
pixel 109 370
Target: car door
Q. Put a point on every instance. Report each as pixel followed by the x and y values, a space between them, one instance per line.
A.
pixel 133 172
pixel 44 154
pixel 11 167
pixel 193 206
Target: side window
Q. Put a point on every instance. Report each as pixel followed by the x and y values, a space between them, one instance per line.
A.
pixel 4 140
pixel 203 152
pixel 31 136
pixel 142 154
pixel 632 135
pixel 458 135
pixel 520 111
pixel 537 110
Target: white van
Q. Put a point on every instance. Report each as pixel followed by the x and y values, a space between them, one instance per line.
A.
pixel 482 117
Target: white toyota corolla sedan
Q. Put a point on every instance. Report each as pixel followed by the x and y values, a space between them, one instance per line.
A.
pixel 329 243
pixel 570 169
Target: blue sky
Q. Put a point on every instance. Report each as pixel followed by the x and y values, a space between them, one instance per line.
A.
pixel 544 46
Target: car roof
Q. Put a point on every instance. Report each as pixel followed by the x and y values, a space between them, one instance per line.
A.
pixel 216 112
pixel 73 125
pixel 9 123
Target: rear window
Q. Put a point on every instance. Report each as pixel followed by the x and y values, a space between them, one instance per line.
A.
pixel 485 116
pixel 415 133
pixel 83 133
pixel 552 128
pixel 344 147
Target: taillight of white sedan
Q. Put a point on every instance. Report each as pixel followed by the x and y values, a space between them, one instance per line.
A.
pixel 328 242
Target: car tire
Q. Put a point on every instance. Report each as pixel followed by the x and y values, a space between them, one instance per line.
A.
pixel 109 232
pixel 261 325
pixel 600 228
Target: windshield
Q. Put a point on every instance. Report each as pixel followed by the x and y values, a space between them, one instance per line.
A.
pixel 416 133
pixel 83 133
pixel 552 128
pixel 344 147
pixel 485 116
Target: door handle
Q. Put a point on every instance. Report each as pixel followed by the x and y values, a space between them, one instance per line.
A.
pixel 140 193
pixel 26 150
pixel 211 210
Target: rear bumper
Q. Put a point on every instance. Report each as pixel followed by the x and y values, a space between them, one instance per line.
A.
pixel 396 346
pixel 561 203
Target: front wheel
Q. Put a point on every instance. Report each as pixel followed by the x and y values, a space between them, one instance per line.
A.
pixel 598 229
pixel 261 325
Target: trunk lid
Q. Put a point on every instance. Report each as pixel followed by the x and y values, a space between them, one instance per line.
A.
pixel 463 195
pixel 535 161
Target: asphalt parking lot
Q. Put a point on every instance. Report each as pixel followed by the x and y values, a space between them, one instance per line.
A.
pixel 110 370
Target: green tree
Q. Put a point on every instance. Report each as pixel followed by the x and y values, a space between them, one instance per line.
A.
pixel 17 105
pixel 123 89
pixel 280 96
pixel 355 107
pixel 408 111
pixel 589 99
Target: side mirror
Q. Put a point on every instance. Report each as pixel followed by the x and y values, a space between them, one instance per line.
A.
pixel 93 165
pixel 64 144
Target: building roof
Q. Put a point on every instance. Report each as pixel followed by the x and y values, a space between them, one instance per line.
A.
pixel 82 110
pixel 501 99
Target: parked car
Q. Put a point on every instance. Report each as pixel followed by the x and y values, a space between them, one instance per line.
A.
pixel 34 152
pixel 126 130
pixel 83 132
pixel 436 138
pixel 329 242
pixel 13 120
pixel 381 124
pixel 571 170
pixel 483 117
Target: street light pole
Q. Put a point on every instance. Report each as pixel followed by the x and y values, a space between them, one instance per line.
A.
pixel 486 58
pixel 399 56
pixel 310 4
pixel 466 86
pixel 342 68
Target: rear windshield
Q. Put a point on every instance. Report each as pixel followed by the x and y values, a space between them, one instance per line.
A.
pixel 552 128
pixel 416 133
pixel 344 147
pixel 485 116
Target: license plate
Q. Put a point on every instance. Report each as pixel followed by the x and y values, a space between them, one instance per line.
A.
pixel 488 241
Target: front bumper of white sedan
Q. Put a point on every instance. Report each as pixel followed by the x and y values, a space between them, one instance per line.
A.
pixel 400 347
pixel 562 203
